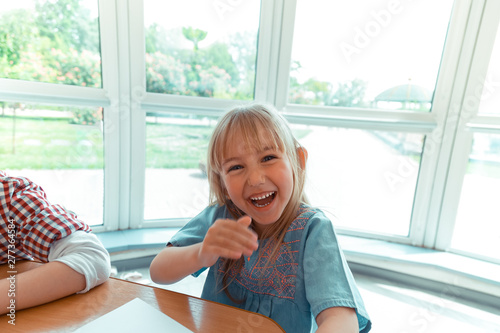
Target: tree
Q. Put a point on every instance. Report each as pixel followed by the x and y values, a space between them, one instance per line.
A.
pixel 217 55
pixel 68 24
pixel 312 91
pixel 224 69
pixel 17 32
pixel 194 35
pixel 165 74
pixel 160 40
pixel 349 93
pixel 243 48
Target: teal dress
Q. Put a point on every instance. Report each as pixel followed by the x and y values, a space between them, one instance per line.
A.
pixel 310 273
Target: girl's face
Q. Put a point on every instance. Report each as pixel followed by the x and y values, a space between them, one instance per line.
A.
pixel 258 181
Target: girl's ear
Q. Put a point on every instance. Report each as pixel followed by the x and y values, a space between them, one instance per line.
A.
pixel 302 153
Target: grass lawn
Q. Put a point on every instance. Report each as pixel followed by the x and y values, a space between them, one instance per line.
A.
pixel 486 169
pixel 171 146
pixel 181 146
pixel 53 143
pixel 48 143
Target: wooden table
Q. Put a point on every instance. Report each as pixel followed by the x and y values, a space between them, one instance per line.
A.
pixel 72 312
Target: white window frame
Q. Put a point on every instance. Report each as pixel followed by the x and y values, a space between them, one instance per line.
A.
pixel 468 122
pixel 466 54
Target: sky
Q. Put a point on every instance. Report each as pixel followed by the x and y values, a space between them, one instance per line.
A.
pixel 219 18
pixel 386 43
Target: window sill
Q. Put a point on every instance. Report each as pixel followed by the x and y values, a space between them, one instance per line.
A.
pixel 398 262
pixel 442 272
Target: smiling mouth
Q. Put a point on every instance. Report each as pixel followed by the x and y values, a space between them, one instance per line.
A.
pixel 264 200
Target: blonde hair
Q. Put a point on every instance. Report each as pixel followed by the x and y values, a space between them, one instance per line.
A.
pixel 246 122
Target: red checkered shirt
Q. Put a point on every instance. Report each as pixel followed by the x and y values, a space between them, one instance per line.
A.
pixel 29 223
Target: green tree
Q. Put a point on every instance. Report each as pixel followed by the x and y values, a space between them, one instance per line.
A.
pixel 243 48
pixel 194 35
pixel 217 55
pixel 221 69
pixel 165 74
pixel 349 93
pixel 17 32
pixel 68 24
pixel 311 92
pixel 159 40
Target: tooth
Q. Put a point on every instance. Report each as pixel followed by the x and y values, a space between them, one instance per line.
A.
pixel 263 197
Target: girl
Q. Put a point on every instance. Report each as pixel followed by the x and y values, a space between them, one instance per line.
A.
pixel 267 249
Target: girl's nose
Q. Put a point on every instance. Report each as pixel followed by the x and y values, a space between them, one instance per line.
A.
pixel 256 177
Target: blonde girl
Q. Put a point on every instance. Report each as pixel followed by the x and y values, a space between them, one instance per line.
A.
pixel 268 251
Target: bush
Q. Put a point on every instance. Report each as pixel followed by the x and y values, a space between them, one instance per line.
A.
pixel 86 116
pixel 165 74
pixel 168 75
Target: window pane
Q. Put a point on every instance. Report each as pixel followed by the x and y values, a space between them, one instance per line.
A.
pixel 176 148
pixel 364 180
pixel 490 98
pixel 365 53
pixel 51 41
pixel 209 52
pixel 60 149
pixel 476 228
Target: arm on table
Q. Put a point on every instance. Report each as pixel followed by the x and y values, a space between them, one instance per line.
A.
pixel 40 285
pixel 77 263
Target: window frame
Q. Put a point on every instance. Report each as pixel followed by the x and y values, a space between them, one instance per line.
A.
pixel 466 54
pixel 468 122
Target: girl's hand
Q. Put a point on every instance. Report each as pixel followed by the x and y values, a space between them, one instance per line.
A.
pixel 228 239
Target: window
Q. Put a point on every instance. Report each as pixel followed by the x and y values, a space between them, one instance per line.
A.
pixel 377 91
pixel 490 98
pixel 53 127
pixel 176 179
pixel 207 52
pixel 367 54
pixel 51 41
pixel 477 229
pixel 59 148
pixel 365 180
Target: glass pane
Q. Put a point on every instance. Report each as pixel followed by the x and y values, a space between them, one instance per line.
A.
pixel 363 180
pixel 60 149
pixel 490 98
pixel 476 228
pixel 209 52
pixel 176 150
pixel 368 54
pixel 51 41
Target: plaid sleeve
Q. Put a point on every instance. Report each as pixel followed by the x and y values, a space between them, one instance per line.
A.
pixel 37 222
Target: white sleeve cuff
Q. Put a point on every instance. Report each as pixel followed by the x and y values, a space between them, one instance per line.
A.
pixel 84 253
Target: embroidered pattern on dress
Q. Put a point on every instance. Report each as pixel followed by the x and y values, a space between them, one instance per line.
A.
pixel 277 278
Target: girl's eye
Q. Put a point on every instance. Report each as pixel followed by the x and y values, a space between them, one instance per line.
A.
pixel 234 167
pixel 268 158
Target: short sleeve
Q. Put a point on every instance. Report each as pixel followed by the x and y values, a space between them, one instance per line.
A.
pixel 328 279
pixel 84 253
pixel 195 230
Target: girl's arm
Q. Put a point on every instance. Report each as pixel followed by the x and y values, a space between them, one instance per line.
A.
pixel 175 263
pixel 337 319
pixel 225 238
